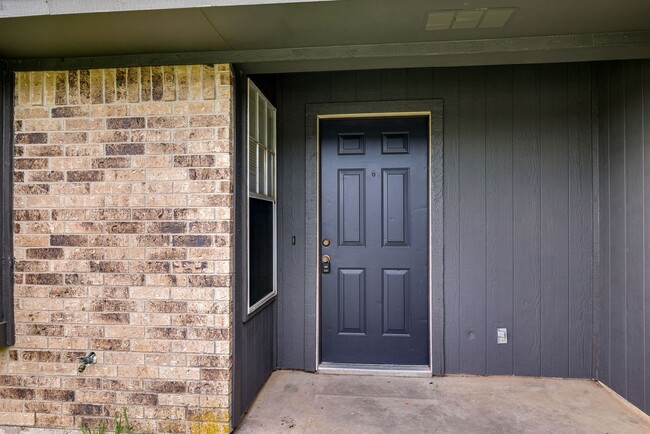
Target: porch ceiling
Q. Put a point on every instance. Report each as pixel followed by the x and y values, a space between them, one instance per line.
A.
pixel 272 36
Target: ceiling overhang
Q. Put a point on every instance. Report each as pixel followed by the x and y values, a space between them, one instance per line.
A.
pixel 549 49
pixel 288 36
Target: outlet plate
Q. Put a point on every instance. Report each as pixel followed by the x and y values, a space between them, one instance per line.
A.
pixel 502 335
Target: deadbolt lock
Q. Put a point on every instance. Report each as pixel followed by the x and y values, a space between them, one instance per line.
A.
pixel 326 242
pixel 325 264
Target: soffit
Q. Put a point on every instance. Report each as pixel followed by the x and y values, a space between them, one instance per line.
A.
pixel 286 26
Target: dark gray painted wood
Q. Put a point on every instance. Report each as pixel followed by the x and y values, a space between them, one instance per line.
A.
pixel 554 230
pixel 580 222
pixel 7 326
pixel 291 212
pixel 445 85
pixel 545 121
pixel 527 222
pixel 257 355
pixel 344 86
pixel 595 208
pixel 393 85
pixel 624 114
pixel 311 341
pixel 437 271
pixel 419 83
pixel 239 230
pixel 254 336
pixel 473 333
pixel 499 216
pixel 319 91
pixel 369 85
pixel 646 227
pixel 618 323
pixel 634 271
pixel 603 332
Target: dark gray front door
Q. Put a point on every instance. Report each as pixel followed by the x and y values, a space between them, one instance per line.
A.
pixel 374 213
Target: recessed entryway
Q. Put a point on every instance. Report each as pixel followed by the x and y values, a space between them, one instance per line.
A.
pixel 390 259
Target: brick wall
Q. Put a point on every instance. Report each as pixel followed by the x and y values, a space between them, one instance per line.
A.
pixel 123 234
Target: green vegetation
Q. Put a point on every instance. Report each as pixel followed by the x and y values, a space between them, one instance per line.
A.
pixel 120 426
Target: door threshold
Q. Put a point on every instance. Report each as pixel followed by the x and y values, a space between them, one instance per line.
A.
pixel 368 369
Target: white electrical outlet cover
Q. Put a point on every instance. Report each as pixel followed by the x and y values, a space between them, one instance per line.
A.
pixel 502 335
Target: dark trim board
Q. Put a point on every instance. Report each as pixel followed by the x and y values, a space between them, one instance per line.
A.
pixel 239 226
pixel 7 326
pixel 432 107
pixel 595 169
pixel 520 50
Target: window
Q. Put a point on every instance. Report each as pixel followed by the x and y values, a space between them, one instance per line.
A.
pixel 6 219
pixel 262 276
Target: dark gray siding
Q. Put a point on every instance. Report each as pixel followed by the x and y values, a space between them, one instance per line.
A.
pixel 624 176
pixel 291 219
pixel 517 217
pixel 518 220
pixel 253 352
pixel 257 353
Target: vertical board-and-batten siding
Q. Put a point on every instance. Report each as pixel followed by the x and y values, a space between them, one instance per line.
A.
pixel 123 235
pixel 253 353
pixel 517 218
pixel 624 176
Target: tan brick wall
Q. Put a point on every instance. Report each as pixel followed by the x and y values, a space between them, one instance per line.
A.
pixel 123 235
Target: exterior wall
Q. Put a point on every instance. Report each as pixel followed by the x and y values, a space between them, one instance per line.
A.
pixel 254 335
pixel 624 175
pixel 517 210
pixel 519 220
pixel 123 234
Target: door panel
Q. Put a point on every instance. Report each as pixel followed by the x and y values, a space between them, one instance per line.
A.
pixel 352 305
pixel 352 219
pixel 395 207
pixel 374 212
pixel 396 302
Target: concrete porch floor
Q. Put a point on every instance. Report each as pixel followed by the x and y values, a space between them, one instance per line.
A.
pixel 300 402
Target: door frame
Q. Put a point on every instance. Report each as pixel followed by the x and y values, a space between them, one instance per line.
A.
pixel 433 108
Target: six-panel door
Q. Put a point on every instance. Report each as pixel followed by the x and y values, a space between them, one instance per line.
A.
pixel 374 214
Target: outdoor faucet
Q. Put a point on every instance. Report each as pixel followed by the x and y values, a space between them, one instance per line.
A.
pixel 90 359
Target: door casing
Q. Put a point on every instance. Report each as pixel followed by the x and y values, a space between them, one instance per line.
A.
pixel 314 113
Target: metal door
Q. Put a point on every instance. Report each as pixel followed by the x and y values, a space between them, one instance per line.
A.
pixel 374 240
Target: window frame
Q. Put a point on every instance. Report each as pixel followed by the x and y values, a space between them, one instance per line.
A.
pixel 270 196
pixel 7 325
